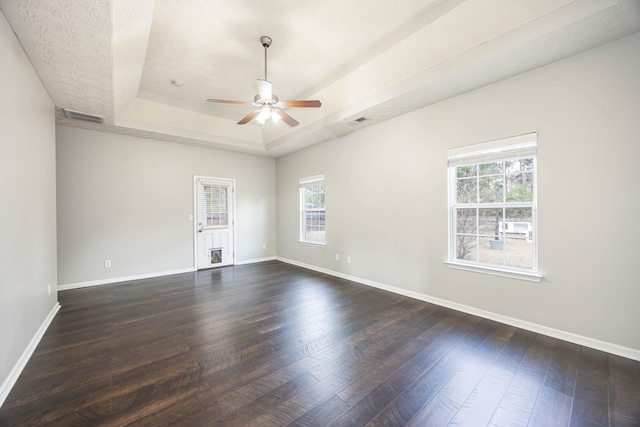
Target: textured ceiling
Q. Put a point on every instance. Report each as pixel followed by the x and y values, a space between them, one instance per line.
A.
pixel 374 58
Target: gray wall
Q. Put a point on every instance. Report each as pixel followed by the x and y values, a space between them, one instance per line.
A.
pixel 27 202
pixel 387 195
pixel 128 199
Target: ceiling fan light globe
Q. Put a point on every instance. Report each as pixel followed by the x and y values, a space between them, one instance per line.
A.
pixel 265 113
pixel 275 117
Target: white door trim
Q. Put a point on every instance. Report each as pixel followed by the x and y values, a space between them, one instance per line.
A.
pixel 195 215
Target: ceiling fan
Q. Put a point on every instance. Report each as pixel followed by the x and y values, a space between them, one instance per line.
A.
pixel 269 106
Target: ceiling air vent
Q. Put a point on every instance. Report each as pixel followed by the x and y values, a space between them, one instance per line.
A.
pixel 359 120
pixel 85 117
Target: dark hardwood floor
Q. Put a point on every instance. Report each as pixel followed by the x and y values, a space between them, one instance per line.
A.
pixel 271 344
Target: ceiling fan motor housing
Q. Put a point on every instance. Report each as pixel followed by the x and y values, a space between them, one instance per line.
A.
pixel 258 98
pixel 266 41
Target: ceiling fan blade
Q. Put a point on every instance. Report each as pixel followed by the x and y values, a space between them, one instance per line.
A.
pixel 226 101
pixel 265 89
pixel 301 104
pixel 246 119
pixel 286 118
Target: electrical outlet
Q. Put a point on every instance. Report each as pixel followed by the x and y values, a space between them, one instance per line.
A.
pixel 348 260
pixel 337 257
pixel 264 246
pixel 107 263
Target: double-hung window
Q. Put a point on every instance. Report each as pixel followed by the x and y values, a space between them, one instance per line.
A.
pixel 312 210
pixel 492 207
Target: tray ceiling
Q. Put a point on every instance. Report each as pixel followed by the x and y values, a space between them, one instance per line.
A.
pixel 375 59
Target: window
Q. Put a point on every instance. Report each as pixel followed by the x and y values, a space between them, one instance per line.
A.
pixel 492 207
pixel 312 212
pixel 214 205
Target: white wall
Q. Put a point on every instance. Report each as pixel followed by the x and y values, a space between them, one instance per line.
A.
pixel 128 199
pixel 387 196
pixel 27 204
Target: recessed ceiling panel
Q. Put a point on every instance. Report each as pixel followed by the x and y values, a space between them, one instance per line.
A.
pixel 375 58
pixel 213 46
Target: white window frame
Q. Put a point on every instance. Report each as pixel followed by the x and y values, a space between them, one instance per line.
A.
pixel 513 148
pixel 304 183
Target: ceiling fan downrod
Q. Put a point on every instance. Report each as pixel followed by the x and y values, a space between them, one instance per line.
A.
pixel 266 42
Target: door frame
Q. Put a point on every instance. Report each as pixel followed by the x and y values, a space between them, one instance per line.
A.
pixel 194 234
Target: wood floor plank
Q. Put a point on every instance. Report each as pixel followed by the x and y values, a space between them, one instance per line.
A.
pixel 446 403
pixel 408 344
pixel 133 401
pixel 268 409
pixel 591 398
pixel 481 404
pixel 434 364
pixel 272 344
pixel 520 397
pixel 322 413
pixel 624 392
pixel 231 397
pixel 553 406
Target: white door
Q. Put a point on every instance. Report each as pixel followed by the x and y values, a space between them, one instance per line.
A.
pixel 214 222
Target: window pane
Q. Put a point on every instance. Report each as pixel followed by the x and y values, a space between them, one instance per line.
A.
pixel 519 223
pixel 491 250
pixel 491 189
pixel 491 168
pixel 520 187
pixel 467 190
pixel 519 214
pixel 518 252
pixel 465 171
pixel 314 197
pixel 466 248
pixel 224 218
pixel 314 226
pixel 214 205
pixel 317 236
pixel 490 221
pixel 466 221
pixel 521 165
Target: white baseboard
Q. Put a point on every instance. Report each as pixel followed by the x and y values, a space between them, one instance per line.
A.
pixel 147 275
pixel 253 261
pixel 122 279
pixel 627 352
pixel 8 384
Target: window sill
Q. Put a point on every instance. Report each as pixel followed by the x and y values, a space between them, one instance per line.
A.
pixel 496 271
pixel 305 242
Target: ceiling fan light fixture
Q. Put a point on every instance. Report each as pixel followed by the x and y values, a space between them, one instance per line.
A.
pixel 275 117
pixel 265 113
